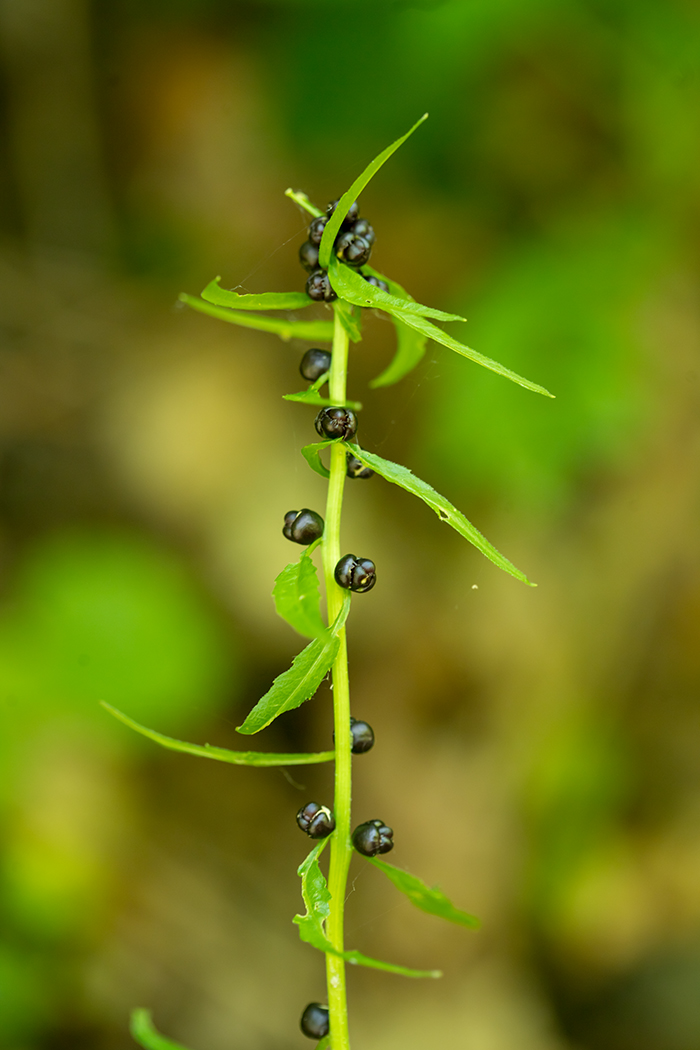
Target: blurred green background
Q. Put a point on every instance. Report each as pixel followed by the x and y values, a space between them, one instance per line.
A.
pixel 538 750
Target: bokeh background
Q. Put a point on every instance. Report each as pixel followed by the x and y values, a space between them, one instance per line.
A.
pixel 538 750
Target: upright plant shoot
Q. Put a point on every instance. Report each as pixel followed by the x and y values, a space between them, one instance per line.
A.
pixel 336 255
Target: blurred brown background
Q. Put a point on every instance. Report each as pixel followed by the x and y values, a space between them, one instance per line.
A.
pixel 538 750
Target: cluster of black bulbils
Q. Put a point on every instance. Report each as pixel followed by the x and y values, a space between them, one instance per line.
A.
pixel 354 574
pixel 353 246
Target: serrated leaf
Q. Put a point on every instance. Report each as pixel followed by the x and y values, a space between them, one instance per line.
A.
pixel 223 754
pixel 147 1036
pixel 300 682
pixel 297 597
pixel 410 345
pixel 312 331
pixel 433 901
pixel 336 220
pixel 310 397
pixel 406 479
pixel 303 201
pixel 317 899
pixel 438 336
pixel 264 301
pixel 351 286
pixel 311 455
pixel 350 318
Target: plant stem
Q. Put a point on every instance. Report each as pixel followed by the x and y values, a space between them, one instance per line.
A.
pixel 341 847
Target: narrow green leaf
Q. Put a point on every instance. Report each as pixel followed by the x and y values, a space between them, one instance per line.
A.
pixel 310 397
pixel 265 301
pixel 222 754
pixel 438 336
pixel 350 318
pixel 297 597
pixel 351 286
pixel 402 476
pixel 336 221
pixel 410 345
pixel 300 682
pixel 324 1044
pixel 311 455
pixel 303 201
pixel 313 331
pixel 147 1036
pixel 317 898
pixel 429 900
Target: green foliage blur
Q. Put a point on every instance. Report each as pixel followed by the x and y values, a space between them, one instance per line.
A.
pixel 537 750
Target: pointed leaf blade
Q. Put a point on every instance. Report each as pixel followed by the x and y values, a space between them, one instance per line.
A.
pixel 406 479
pixel 336 220
pixel 437 335
pixel 317 899
pixel 265 301
pixel 222 754
pixel 313 331
pixel 352 287
pixel 147 1036
pixel 299 683
pixel 311 455
pixel 297 597
pixel 410 344
pixel 432 901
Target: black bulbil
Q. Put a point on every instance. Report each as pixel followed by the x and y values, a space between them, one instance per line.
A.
pixel 356 574
pixel 363 229
pixel 314 363
pixel 376 281
pixel 308 256
pixel 373 837
pixel 316 820
pixel 316 228
pixel 353 249
pixel 356 468
pixel 352 215
pixel 314 1021
pixel 302 526
pixel 336 422
pixel 362 736
pixel 318 287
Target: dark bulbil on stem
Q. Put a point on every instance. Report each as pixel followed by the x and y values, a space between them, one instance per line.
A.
pixel 352 215
pixel 316 820
pixel 314 363
pixel 363 229
pixel 308 256
pixel 371 279
pixel 318 287
pixel 356 468
pixel 362 736
pixel 314 1021
pixel 373 837
pixel 302 526
pixel 336 422
pixel 356 574
pixel 316 228
pixel 353 249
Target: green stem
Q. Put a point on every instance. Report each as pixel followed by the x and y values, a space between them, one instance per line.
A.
pixel 341 847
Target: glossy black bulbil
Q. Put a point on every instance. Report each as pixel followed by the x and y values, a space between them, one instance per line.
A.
pixel 318 287
pixel 373 837
pixel 314 363
pixel 352 215
pixel 336 422
pixel 315 231
pixel 314 1021
pixel 356 574
pixel 302 526
pixel 353 250
pixel 356 468
pixel 371 279
pixel 316 820
pixel 308 256
pixel 362 736
pixel 363 229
